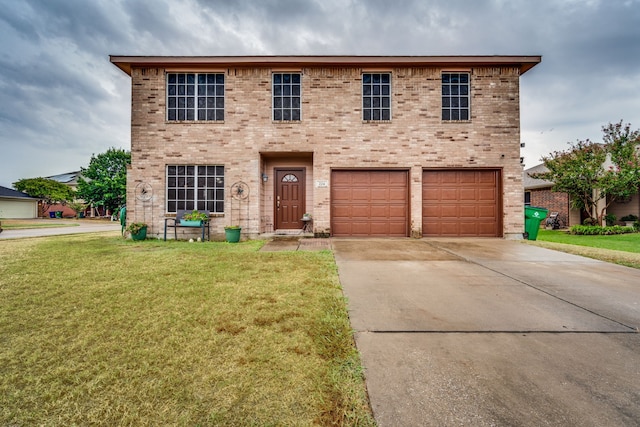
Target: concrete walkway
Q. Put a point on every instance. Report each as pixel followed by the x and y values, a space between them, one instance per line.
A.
pixel 71 226
pixel 489 332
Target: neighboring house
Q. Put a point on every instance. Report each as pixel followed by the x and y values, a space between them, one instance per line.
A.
pixel 370 146
pixel 70 179
pixel 537 192
pixel 15 204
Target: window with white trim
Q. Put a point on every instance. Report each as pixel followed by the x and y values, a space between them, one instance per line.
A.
pixel 455 96
pixel 376 96
pixel 195 187
pixel 286 96
pixel 195 96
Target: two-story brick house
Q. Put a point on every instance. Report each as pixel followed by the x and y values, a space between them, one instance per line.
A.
pixel 370 146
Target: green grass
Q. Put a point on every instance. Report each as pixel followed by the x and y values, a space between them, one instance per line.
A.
pixel 96 330
pixel 619 242
pixel 623 249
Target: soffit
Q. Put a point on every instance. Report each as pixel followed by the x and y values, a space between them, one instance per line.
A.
pixel 126 63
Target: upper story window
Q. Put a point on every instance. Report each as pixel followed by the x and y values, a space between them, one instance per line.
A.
pixel 195 187
pixel 286 96
pixel 376 96
pixel 193 96
pixel 455 96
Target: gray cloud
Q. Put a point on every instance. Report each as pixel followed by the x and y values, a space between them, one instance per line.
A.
pixel 62 99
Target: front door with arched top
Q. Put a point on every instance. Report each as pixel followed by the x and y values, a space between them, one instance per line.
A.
pixel 290 198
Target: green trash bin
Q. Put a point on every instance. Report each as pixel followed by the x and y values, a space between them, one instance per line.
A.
pixel 533 216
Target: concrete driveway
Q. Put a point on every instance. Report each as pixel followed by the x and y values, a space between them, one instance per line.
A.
pixel 489 332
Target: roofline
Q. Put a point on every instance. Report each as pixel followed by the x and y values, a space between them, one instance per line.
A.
pixel 126 63
pixel 538 186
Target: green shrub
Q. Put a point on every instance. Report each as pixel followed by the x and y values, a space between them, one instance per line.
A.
pixel 596 230
pixel 610 219
pixel 589 221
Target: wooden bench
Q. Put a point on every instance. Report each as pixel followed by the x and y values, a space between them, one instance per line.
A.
pixel 175 224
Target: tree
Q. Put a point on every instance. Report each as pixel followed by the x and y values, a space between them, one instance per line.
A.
pixel 104 182
pixel 589 172
pixel 49 191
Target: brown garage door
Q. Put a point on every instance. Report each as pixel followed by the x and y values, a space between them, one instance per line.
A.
pixel 369 203
pixel 464 203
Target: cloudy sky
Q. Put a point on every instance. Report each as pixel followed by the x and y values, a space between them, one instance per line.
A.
pixel 62 100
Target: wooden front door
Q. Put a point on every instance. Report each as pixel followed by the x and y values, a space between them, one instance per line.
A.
pixel 290 197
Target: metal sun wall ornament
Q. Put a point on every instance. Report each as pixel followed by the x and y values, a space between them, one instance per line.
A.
pixel 144 194
pixel 239 193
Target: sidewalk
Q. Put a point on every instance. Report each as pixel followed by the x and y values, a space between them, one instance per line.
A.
pixel 70 226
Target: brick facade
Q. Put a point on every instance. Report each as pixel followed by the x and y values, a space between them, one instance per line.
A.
pixel 554 202
pixel 330 135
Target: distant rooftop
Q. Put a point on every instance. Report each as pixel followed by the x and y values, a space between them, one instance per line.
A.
pixel 534 183
pixel 13 194
pixel 65 178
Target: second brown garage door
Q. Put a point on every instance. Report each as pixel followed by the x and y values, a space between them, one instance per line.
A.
pixel 461 203
pixel 369 203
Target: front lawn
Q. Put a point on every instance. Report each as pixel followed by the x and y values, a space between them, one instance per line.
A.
pixel 96 330
pixel 619 242
pixel 623 249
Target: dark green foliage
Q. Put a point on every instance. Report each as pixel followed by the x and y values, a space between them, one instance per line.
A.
pixel 591 230
pixel 104 182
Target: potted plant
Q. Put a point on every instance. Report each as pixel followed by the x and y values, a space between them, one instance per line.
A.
pixel 629 219
pixel 78 208
pixel 193 219
pixel 138 230
pixel 232 233
pixel 306 217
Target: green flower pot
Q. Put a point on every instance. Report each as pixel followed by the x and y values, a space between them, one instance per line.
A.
pixel 232 235
pixel 140 235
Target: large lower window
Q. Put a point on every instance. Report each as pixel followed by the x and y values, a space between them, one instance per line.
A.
pixel 455 96
pixel 192 96
pixel 195 187
pixel 286 97
pixel 376 96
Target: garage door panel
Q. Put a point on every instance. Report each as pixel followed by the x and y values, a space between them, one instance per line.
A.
pixel 468 211
pixel 432 211
pixel 360 194
pixel 379 211
pixel 449 194
pixel 488 179
pixel 488 194
pixel 360 211
pixel 398 212
pixel 487 212
pixel 376 203
pixel 398 195
pixel 449 211
pixel 431 194
pixel 467 178
pixel 468 194
pixel 379 194
pixel 461 203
